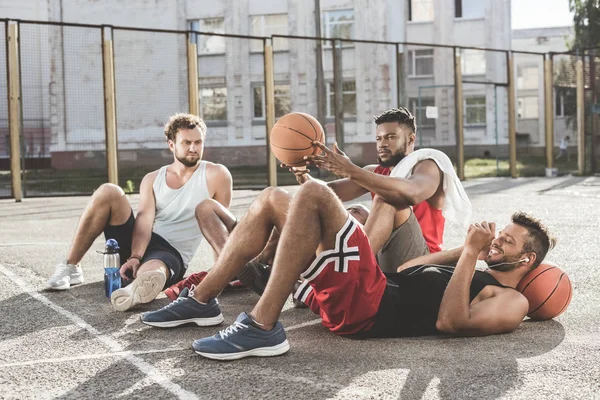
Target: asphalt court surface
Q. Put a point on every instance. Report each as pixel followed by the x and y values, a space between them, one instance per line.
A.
pixel 72 344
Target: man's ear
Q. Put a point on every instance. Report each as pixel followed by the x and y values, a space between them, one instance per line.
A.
pixel 530 258
pixel 411 139
pixel 171 144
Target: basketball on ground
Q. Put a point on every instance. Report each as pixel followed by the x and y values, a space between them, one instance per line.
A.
pixel 548 290
pixel 292 136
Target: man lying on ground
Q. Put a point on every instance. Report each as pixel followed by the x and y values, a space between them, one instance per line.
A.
pixel 346 287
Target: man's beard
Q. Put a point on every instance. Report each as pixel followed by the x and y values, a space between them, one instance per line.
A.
pixel 186 162
pixel 505 264
pixel 393 161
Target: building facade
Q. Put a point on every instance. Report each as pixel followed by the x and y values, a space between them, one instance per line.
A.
pixel 63 88
pixel 529 72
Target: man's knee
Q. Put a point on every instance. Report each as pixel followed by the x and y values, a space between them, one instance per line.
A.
pixel 206 208
pixel 313 190
pixel 108 192
pixel 273 197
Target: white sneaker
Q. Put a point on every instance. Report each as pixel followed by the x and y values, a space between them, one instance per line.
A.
pixel 142 290
pixel 64 276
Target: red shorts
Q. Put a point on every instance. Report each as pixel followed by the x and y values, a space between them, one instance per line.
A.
pixel 344 285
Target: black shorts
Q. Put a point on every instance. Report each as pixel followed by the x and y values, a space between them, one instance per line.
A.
pixel 158 249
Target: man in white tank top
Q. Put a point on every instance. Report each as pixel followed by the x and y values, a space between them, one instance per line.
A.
pixel 179 204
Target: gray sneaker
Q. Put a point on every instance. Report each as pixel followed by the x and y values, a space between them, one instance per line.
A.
pixel 184 310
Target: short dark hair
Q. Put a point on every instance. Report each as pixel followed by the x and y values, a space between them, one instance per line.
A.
pixel 400 115
pixel 539 240
pixel 183 121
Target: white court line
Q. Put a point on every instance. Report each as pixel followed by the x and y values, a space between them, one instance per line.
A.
pixel 32 244
pixel 91 357
pixel 302 325
pixel 108 341
pixel 124 353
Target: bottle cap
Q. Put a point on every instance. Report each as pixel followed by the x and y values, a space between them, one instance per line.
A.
pixel 111 246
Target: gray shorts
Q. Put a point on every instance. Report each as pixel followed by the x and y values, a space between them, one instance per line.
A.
pixel 405 243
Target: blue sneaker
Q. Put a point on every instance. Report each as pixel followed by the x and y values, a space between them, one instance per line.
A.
pixel 184 310
pixel 243 339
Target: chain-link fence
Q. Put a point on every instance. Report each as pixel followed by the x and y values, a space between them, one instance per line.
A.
pixel 62 125
pixel 5 179
pixel 232 103
pixel 429 92
pixel 342 82
pixel 565 148
pixel 591 67
pixel 151 84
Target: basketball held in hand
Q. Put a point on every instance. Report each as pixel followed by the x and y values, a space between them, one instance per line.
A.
pixel 548 290
pixel 292 137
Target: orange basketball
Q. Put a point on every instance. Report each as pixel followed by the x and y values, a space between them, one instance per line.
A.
pixel 292 136
pixel 548 289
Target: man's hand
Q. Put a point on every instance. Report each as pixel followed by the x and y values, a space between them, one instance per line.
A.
pixel 301 173
pixel 480 237
pixel 133 264
pixel 334 161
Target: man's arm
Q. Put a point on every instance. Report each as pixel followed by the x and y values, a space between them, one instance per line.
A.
pixel 399 192
pixel 346 189
pixel 446 257
pixel 220 183
pixel 142 229
pixel 500 313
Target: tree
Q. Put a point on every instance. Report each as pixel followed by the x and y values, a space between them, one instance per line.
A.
pixel 586 21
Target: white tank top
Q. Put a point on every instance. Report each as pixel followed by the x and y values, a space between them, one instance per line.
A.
pixel 175 220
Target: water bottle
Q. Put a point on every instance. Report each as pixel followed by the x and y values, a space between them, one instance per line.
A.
pixel 112 265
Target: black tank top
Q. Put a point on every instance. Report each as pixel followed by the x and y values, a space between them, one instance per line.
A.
pixel 412 298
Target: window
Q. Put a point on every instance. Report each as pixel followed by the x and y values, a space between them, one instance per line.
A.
pixel 338 24
pixel 348 99
pixel 214 103
pixel 267 25
pixel 283 101
pixel 420 10
pixel 420 63
pixel 565 101
pixel 473 62
pixel 420 112
pixel 210 44
pixel 475 110
pixel 528 107
pixel 528 77
pixel 469 8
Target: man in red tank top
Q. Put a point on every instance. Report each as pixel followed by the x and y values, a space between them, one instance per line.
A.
pixel 406 218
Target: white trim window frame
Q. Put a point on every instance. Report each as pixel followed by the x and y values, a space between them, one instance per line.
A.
pixel 420 59
pixel 347 91
pixel 475 106
pixel 215 97
pixel 267 25
pixel 210 44
pixel 331 28
pixel 282 94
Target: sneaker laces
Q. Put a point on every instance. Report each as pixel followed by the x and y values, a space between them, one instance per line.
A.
pixel 59 271
pixel 231 329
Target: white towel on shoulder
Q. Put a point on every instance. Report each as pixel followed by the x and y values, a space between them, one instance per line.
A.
pixel 457 206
